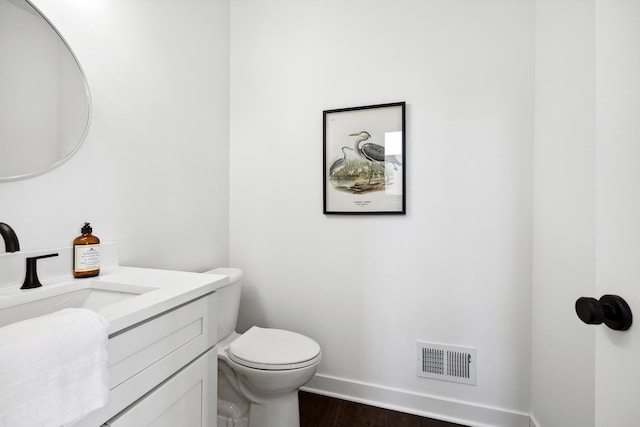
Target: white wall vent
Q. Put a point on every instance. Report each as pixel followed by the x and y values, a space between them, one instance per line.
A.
pixel 448 363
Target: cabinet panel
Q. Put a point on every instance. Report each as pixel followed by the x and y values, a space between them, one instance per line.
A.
pixel 187 399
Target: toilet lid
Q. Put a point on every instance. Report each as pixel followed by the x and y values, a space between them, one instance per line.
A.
pixel 273 349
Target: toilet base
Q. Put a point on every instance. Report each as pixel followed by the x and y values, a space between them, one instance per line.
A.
pixel 282 411
pixel 231 422
pixel 230 414
pixel 235 410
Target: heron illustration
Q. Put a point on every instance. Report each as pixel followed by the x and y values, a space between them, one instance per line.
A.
pixel 340 163
pixel 371 152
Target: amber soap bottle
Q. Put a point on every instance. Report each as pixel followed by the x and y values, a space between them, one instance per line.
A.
pixel 86 254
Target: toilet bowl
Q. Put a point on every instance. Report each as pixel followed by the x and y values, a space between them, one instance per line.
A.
pixel 261 370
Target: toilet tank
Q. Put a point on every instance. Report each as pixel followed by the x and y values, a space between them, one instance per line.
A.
pixel 228 300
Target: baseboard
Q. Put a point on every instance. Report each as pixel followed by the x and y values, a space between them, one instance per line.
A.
pixel 418 404
pixel 533 422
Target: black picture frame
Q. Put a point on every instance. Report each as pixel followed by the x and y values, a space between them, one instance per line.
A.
pixel 364 160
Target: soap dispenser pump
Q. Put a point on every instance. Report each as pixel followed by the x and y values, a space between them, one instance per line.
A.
pixel 86 253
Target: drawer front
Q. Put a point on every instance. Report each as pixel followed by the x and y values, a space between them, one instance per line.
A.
pixel 190 329
pixel 187 399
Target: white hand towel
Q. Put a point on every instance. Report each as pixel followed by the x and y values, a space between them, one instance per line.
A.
pixel 53 368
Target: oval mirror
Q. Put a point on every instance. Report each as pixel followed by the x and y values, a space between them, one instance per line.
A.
pixel 44 97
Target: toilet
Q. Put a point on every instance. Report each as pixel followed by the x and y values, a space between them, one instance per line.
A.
pixel 261 370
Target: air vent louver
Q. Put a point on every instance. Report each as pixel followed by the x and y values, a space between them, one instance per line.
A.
pixel 448 363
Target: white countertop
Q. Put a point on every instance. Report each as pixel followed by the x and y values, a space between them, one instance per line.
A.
pixel 170 289
pixel 173 288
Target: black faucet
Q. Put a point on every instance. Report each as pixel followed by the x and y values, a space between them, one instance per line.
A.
pixel 10 239
pixel 31 278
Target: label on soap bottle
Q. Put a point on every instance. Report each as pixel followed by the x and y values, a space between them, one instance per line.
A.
pixel 87 257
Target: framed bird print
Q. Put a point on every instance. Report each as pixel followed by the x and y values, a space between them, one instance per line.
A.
pixel 364 160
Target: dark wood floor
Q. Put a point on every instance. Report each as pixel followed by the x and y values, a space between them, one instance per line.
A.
pixel 322 411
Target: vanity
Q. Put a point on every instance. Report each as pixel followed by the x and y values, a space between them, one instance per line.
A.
pixel 162 359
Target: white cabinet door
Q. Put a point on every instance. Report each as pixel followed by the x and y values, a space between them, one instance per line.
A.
pixel 618 207
pixel 187 399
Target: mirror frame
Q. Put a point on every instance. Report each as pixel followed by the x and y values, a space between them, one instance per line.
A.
pixel 89 107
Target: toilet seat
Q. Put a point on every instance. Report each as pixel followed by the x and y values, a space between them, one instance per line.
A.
pixel 273 349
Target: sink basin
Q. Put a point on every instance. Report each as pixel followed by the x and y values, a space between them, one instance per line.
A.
pixel 17 305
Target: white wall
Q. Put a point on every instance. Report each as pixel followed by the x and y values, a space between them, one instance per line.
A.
pixel 153 172
pixel 456 269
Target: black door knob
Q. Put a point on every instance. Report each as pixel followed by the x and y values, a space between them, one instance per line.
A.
pixel 590 310
pixel 611 310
